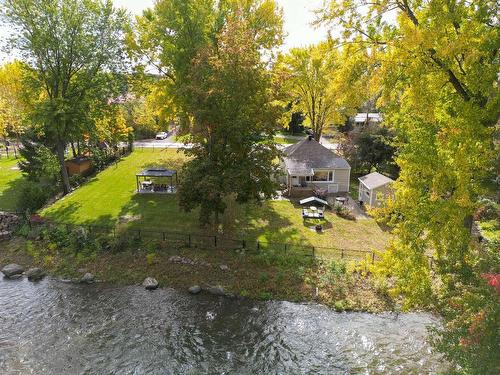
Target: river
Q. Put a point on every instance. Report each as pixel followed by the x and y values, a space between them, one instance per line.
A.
pixel 53 327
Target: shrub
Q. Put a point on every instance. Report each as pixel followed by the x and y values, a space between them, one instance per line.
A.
pixel 100 158
pixel 343 211
pixel 33 196
pixel 266 296
pixel 151 258
pixel 489 210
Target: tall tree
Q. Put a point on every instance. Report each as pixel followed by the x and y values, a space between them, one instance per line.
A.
pixel 439 74
pixel 214 68
pixel 324 83
pixel 67 43
pixel 13 104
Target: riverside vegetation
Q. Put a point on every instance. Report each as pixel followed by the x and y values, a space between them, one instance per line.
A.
pixel 72 252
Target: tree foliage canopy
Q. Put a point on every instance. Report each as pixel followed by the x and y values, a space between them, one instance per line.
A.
pixel 68 44
pixel 438 71
pixel 213 62
pixel 324 82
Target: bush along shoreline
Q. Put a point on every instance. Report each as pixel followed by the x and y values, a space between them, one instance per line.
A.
pixel 70 253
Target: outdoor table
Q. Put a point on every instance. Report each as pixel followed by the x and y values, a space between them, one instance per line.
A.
pixel 341 200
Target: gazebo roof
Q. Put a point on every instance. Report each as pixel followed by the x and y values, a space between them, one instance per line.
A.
pixel 313 199
pixel 157 172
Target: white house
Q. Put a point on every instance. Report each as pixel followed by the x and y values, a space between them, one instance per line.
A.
pixel 374 188
pixel 367 119
pixel 309 165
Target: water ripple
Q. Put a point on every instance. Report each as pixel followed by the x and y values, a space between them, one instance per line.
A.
pixel 52 327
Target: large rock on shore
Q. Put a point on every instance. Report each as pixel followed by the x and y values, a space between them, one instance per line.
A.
pixel 149 283
pixel 12 270
pixel 88 278
pixel 195 289
pixel 35 274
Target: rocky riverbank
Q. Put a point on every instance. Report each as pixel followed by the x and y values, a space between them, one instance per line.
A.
pixel 216 272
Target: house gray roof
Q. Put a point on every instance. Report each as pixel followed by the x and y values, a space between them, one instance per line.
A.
pixel 309 154
pixel 374 180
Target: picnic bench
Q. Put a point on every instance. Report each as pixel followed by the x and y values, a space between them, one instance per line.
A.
pixel 313 213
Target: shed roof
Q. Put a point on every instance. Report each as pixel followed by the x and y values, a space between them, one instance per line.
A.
pixel 374 180
pixel 309 154
pixel 157 172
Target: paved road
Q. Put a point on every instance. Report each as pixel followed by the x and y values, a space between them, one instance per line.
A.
pixel 165 143
pixel 170 143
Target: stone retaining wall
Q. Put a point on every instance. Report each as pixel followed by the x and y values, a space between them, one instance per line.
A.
pixel 8 223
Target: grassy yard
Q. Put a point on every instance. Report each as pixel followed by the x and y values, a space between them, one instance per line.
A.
pixel 11 181
pixel 111 196
pixel 285 140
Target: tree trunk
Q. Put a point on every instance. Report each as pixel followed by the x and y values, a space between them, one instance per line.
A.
pixel 73 149
pixel 78 150
pixel 64 172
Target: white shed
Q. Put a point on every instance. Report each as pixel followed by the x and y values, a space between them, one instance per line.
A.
pixel 374 188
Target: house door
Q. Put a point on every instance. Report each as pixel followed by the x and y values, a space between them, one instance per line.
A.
pixel 295 181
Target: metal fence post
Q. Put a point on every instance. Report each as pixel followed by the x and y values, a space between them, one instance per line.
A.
pixel 258 246
pixel 314 253
pixel 285 248
pixel 243 244
pixel 373 257
pixel 215 241
pixel 164 237
pixel 341 253
pixel 189 240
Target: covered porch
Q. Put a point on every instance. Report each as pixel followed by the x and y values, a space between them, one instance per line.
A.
pixel 157 180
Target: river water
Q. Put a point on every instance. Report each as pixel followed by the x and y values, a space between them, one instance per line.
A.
pixel 52 327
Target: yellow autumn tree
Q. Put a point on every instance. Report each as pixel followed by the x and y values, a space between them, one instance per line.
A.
pixel 12 103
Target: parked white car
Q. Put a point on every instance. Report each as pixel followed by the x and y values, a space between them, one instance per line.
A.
pixel 162 135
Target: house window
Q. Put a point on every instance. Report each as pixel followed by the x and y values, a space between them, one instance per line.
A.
pixel 323 176
pixel 308 178
pixel 320 176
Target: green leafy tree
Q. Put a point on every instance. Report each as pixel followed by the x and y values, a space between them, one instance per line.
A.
pixel 68 43
pixel 324 83
pixel 370 148
pixel 438 70
pixel 214 71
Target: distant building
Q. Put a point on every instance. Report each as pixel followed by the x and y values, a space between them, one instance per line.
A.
pixel 366 119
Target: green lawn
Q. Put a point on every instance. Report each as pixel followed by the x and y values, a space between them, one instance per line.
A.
pixel 11 181
pixel 285 140
pixel 111 195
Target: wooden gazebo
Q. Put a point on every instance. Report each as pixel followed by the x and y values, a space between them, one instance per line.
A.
pixel 153 180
